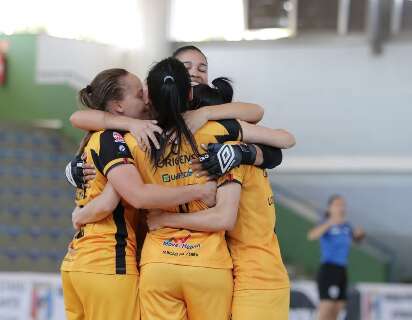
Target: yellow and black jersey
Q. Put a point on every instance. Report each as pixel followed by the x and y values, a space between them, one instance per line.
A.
pixel 107 246
pixel 253 244
pixel 178 246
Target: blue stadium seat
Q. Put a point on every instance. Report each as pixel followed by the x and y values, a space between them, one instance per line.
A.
pixel 15 211
pixel 55 255
pixel 34 254
pixel 55 233
pixel 17 191
pixel 14 231
pixel 10 253
pixel 35 212
pixel 54 213
pixel 35 231
pixel 35 192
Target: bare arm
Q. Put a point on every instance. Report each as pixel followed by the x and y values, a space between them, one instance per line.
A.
pixel 318 231
pixel 248 112
pixel 126 180
pixel 278 138
pixel 221 217
pixel 95 120
pixel 97 209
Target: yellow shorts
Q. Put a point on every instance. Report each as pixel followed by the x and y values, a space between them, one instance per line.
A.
pixel 176 292
pixel 261 304
pixel 92 296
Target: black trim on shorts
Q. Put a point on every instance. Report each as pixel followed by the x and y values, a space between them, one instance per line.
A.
pixel 120 236
pixel 332 282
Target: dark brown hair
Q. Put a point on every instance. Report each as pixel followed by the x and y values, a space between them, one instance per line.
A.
pixel 187 48
pixel 106 86
pixel 332 199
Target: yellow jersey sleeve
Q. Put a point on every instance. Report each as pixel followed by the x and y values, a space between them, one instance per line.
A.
pixel 113 151
pixel 236 175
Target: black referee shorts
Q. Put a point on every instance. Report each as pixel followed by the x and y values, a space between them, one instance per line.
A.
pixel 332 282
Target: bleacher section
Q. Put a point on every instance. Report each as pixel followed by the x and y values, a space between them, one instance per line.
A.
pixel 35 200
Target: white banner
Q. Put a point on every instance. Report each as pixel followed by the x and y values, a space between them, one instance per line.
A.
pixel 31 296
pixel 386 302
pixel 38 296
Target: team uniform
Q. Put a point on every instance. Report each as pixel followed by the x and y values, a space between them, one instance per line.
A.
pixel 185 274
pixel 99 272
pixel 332 277
pixel 261 282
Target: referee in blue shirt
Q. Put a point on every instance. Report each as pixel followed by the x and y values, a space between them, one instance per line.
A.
pixel 336 236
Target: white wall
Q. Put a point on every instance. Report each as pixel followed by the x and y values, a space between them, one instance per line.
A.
pixel 76 62
pixel 337 98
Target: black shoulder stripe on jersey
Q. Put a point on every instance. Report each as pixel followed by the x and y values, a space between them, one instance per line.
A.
pixel 96 161
pixel 112 146
pixel 229 181
pixel 120 236
pixel 233 128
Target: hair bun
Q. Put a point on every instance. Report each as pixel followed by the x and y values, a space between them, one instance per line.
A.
pixel 224 86
pixel 89 89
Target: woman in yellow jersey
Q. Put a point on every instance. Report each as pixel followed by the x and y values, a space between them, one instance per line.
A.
pixel 196 64
pixel 261 285
pixel 99 272
pixel 188 259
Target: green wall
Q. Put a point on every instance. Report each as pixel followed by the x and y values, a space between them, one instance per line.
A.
pixel 21 99
pixel 292 229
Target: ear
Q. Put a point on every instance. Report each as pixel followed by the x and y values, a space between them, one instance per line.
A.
pixel 146 98
pixel 116 107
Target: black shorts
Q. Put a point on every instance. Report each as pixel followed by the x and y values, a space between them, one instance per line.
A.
pixel 332 282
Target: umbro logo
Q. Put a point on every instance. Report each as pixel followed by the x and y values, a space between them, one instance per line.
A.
pixel 226 156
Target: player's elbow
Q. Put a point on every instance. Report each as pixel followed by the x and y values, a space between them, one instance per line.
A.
pixel 74 119
pixel 260 111
pixel 109 207
pixel 230 225
pixel 228 221
pixel 289 139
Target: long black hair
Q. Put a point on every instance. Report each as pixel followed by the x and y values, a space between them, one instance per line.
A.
pixel 204 95
pixel 169 89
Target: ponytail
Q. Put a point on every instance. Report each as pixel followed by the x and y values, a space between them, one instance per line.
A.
pixel 169 89
pixel 224 86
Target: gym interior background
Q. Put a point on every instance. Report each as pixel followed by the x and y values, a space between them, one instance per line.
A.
pixel 336 73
